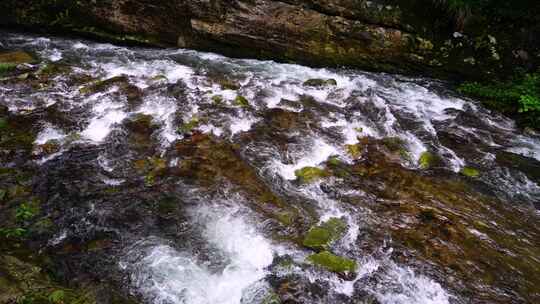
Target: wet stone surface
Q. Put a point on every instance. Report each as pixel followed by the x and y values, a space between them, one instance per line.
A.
pixel 133 175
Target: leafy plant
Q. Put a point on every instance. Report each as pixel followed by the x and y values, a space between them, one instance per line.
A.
pixel 519 96
pixel 25 212
pixel 10 233
pixel 57 297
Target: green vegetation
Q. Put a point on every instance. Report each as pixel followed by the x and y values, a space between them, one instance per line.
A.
pixel 57 297
pixel 320 237
pixel 332 262
pixel 25 212
pixel 518 97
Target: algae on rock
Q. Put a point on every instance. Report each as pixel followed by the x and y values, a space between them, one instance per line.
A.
pixel 332 262
pixel 320 237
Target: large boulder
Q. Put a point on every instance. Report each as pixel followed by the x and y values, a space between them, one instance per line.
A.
pixel 408 36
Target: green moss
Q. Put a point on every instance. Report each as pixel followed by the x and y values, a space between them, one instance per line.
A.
pixel 470 172
pixel 320 237
pixel 332 262
pixel 227 84
pixel 241 101
pixel 3 123
pixel 16 57
pixel 271 298
pixel 317 82
pixel 189 126
pixel 333 161
pixel 427 159
pixel 309 174
pixel 102 85
pixel 353 150
pixel 217 99
pixel 6 68
pixel 394 144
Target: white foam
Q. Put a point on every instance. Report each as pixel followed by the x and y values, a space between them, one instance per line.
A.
pixel 242 124
pixel 166 275
pixel 320 152
pixel 410 288
pixel 49 133
pixel 101 125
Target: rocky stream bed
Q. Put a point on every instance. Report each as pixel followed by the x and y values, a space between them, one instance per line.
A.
pixel 140 175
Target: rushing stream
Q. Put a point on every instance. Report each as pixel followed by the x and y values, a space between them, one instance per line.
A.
pixel 180 177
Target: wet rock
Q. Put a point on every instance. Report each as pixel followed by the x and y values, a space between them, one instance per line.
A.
pixel 333 262
pixel 320 237
pixel 132 93
pixel 318 82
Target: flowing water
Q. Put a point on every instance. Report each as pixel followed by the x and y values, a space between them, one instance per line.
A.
pixel 165 183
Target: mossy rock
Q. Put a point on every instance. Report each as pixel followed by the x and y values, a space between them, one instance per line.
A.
pixel 318 82
pixel 354 150
pixel 102 85
pixel 217 99
pixel 309 174
pixel 189 126
pixel 332 262
pixel 227 84
pixel 470 172
pixel 320 237
pixel 394 144
pixel 16 57
pixel 5 68
pixel 428 160
pixel 241 101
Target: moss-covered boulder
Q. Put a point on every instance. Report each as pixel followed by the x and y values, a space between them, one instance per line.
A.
pixel 320 237
pixel 470 172
pixel 428 159
pixel 189 125
pixel 309 174
pixel 318 82
pixel 16 57
pixel 332 262
pixel 241 101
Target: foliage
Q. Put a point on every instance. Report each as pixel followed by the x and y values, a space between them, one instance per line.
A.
pixel 13 233
pixel 25 212
pixel 519 96
pixel 57 297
